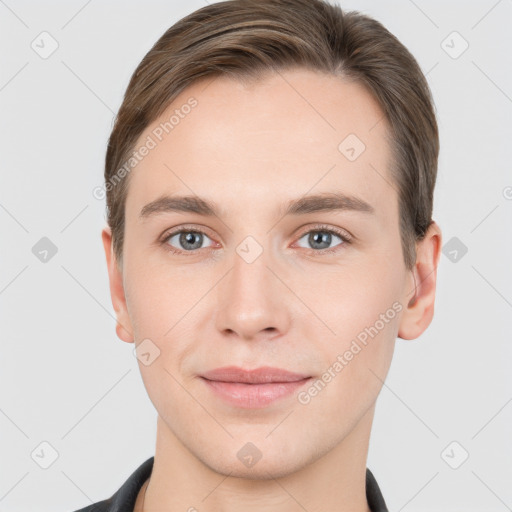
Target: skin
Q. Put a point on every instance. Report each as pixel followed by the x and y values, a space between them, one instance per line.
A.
pixel 251 149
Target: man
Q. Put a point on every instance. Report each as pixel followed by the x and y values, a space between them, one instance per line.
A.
pixel 269 184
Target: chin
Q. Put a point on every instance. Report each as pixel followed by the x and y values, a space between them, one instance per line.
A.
pixel 264 469
pixel 260 459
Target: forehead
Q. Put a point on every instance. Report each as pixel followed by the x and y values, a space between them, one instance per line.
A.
pixel 276 138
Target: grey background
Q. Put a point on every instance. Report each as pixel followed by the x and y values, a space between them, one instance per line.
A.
pixel 67 380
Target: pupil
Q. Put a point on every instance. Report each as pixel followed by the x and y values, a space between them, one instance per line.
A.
pixel 321 236
pixel 187 239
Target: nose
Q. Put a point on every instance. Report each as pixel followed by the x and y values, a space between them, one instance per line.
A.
pixel 252 301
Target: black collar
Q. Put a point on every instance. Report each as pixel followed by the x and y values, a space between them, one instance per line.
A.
pixel 124 499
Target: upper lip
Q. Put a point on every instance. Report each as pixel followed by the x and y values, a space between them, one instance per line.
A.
pixel 261 375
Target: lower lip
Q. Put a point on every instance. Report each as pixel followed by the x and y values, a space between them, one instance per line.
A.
pixel 253 396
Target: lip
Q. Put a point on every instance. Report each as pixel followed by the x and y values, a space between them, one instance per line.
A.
pixel 262 375
pixel 251 389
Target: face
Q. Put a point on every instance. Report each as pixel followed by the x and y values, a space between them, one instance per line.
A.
pixel 316 287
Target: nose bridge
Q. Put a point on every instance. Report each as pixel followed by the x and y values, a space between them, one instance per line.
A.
pixel 249 296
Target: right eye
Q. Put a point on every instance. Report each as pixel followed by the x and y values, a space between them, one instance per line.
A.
pixel 185 241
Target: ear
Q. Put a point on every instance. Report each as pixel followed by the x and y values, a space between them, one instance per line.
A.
pixel 421 291
pixel 117 295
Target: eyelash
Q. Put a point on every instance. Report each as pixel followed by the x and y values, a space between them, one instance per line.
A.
pixel 345 237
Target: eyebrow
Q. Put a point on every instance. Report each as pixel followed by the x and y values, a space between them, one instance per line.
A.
pixel 327 201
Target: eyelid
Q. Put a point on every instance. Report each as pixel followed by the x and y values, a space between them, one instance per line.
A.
pixel 342 233
pixel 184 227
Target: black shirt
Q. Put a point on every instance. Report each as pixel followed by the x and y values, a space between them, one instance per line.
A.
pixel 124 499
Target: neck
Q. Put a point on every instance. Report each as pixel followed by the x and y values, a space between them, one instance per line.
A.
pixel 182 481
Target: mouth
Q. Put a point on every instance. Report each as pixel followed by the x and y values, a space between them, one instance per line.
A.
pixel 250 389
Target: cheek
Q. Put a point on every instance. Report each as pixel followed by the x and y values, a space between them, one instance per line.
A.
pixel 157 304
pixel 361 307
pixel 354 296
pixel 165 307
pixel 157 296
pixel 363 311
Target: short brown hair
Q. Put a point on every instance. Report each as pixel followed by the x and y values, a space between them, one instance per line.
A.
pixel 245 38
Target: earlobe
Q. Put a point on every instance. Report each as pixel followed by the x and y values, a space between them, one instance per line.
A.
pixel 419 312
pixel 117 295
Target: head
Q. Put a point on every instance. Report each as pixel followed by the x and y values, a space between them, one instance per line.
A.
pixel 245 110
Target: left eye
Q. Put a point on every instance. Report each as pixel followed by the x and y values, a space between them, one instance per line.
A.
pixel 321 239
pixel 188 240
